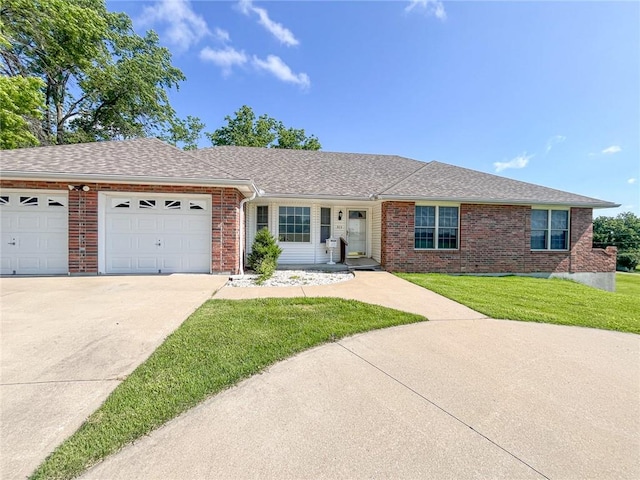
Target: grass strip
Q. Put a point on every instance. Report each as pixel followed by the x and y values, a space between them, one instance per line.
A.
pixel 541 300
pixel 223 342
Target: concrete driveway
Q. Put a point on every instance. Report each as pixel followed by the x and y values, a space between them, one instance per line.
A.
pixel 445 399
pixel 66 344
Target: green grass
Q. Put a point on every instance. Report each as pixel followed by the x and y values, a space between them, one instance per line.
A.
pixel 222 343
pixel 540 300
pixel 628 284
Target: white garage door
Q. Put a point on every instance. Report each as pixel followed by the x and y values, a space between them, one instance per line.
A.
pixel 157 234
pixel 34 233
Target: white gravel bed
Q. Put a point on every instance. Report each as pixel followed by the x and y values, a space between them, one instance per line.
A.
pixel 293 278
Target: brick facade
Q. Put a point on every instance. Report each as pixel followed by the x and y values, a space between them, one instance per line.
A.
pixel 492 239
pixel 83 219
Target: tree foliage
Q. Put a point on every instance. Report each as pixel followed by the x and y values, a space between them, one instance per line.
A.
pixel 21 105
pixel 185 133
pixel 623 232
pixel 101 79
pixel 246 130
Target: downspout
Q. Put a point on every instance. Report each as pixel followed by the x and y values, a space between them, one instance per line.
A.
pixel 242 231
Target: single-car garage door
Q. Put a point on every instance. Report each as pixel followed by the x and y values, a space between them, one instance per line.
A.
pixel 34 232
pixel 156 234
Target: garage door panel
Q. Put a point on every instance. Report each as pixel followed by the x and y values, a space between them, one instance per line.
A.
pixel 157 239
pixel 34 233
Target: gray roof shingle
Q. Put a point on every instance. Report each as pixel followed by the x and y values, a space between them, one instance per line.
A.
pixel 440 181
pixel 282 172
pixel 304 172
pixel 143 157
pixel 318 173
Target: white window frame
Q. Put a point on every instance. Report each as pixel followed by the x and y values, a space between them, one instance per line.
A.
pixel 280 238
pixel 268 207
pixel 437 227
pixel 320 224
pixel 548 229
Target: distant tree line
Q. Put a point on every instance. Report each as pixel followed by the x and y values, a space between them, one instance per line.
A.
pixel 623 232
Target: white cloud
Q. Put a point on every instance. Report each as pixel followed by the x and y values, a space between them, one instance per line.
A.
pixel 283 34
pixel 184 27
pixel 281 70
pixel 556 139
pixel 611 150
pixel 631 181
pixel 222 35
pixel 520 161
pixel 225 58
pixel 430 7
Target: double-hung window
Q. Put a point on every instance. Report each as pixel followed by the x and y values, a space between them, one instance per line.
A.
pixel 549 229
pixel 436 227
pixel 325 224
pixel 294 224
pixel 262 217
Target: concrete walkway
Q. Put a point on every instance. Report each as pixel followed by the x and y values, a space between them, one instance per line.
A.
pixel 379 288
pixel 468 399
pixel 67 342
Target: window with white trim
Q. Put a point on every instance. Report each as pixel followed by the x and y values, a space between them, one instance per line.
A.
pixel 262 217
pixel 549 229
pixel 294 224
pixel 436 227
pixel 325 224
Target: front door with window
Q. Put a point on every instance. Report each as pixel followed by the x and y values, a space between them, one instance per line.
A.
pixel 357 233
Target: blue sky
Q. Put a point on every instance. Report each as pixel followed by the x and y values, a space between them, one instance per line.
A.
pixel 544 92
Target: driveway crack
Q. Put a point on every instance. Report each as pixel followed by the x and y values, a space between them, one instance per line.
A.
pixel 445 411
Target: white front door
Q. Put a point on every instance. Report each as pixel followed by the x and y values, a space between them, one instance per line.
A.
pixel 157 234
pixel 357 233
pixel 34 234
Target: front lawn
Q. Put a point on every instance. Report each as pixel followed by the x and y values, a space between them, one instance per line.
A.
pixel 223 342
pixel 542 300
pixel 628 283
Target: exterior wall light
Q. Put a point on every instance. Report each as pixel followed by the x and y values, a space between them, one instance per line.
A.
pixel 340 215
pixel 78 188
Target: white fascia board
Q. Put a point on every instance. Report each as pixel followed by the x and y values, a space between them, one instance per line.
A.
pixel 318 197
pixel 407 198
pixel 146 180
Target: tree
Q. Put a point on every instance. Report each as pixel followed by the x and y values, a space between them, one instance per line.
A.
pixel 248 131
pixel 186 132
pixel 622 232
pixel 21 105
pixel 101 79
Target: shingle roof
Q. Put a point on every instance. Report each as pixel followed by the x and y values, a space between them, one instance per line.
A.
pixel 304 172
pixel 318 173
pixel 282 172
pixel 440 181
pixel 144 157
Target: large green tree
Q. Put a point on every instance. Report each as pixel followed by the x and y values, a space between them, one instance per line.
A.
pixel 21 105
pixel 101 79
pixel 184 133
pixel 245 130
pixel 623 232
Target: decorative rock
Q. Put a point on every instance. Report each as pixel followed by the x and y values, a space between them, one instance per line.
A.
pixel 293 278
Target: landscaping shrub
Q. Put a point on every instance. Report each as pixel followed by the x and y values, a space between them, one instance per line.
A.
pixel 264 255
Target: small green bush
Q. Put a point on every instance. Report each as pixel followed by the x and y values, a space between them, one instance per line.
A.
pixel 264 255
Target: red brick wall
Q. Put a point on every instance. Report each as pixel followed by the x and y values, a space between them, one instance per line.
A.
pixel 83 220
pixel 492 239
